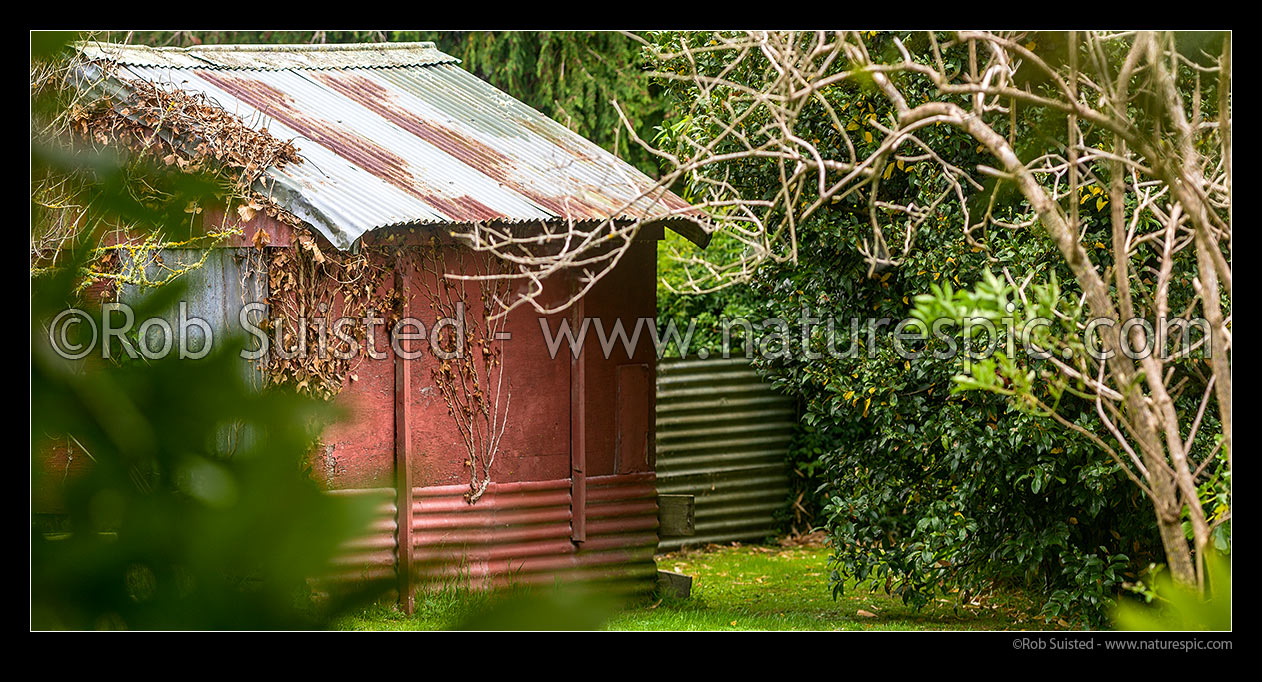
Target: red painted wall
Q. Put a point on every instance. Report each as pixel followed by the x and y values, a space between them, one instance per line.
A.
pixel 619 389
pixel 359 450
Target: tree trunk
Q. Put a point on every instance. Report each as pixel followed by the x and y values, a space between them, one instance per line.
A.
pixel 1175 544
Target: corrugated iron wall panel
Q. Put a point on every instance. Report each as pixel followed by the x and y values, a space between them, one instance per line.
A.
pixel 519 533
pixel 372 555
pixel 722 435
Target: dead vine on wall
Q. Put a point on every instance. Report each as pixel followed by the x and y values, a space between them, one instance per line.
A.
pixel 469 370
pixel 319 302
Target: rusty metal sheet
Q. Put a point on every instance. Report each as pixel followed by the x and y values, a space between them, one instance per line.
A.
pixel 409 139
pixel 519 534
pixel 371 555
pixel 723 436
pixel 271 57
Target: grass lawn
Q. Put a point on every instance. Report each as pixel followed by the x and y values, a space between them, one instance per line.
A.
pixel 751 587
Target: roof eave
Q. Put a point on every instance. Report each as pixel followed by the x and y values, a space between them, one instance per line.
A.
pixel 692 229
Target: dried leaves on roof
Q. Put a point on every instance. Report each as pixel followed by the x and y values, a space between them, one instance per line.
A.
pixel 157 124
pixel 184 129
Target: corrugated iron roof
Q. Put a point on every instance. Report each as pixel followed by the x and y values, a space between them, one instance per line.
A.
pixel 398 134
pixel 272 57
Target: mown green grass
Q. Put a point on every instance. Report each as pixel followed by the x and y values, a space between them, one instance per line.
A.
pixel 774 588
pixel 734 588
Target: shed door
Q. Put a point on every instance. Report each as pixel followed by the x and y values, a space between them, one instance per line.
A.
pixel 633 418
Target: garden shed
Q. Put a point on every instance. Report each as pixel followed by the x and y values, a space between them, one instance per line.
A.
pixel 397 149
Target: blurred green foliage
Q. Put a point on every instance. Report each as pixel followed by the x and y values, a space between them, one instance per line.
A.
pixel 166 527
pixel 1166 605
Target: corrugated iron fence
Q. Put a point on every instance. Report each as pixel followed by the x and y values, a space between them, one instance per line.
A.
pixel 722 435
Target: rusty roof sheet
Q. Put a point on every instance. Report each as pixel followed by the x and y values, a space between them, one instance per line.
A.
pixel 398 134
pixel 271 57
